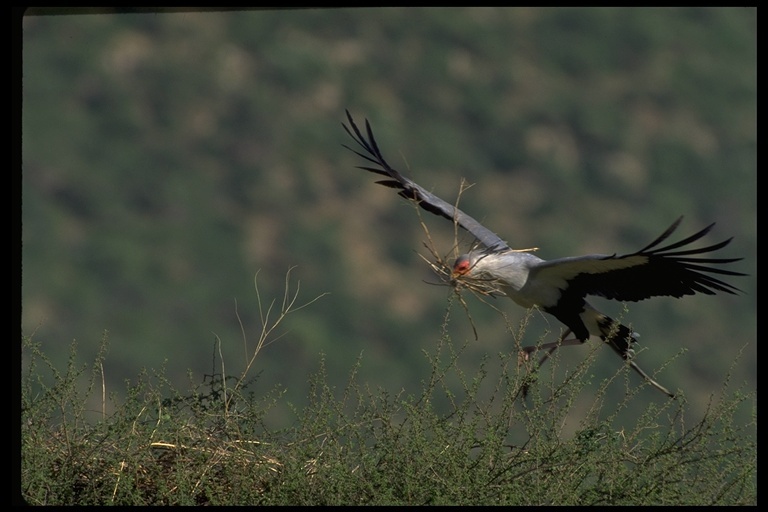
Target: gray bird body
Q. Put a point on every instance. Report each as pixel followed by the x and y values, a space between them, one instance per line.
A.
pixel 533 282
pixel 519 275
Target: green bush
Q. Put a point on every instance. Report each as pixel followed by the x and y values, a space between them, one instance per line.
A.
pixel 452 443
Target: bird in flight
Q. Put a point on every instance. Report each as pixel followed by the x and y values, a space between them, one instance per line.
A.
pixel 560 286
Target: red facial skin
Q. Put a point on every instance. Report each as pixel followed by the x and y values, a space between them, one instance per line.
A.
pixel 461 267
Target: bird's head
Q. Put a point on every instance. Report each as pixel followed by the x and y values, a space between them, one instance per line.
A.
pixel 462 266
pixel 470 272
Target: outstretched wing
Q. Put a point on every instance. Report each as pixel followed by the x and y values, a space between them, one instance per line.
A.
pixel 650 272
pixel 410 190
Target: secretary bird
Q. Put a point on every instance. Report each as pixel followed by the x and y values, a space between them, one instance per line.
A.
pixel 559 286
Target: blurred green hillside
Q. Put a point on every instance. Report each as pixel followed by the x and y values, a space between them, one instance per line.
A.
pixel 169 157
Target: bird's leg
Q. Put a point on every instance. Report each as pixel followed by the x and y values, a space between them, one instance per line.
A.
pixel 525 355
pixel 525 352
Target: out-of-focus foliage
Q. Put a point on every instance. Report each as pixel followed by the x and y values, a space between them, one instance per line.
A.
pixel 168 157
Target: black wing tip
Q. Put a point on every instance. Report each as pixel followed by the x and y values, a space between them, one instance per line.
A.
pixel 349 117
pixel 702 280
pixel 653 249
pixel 372 152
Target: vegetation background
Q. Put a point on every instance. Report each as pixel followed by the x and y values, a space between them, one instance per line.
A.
pixel 170 156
